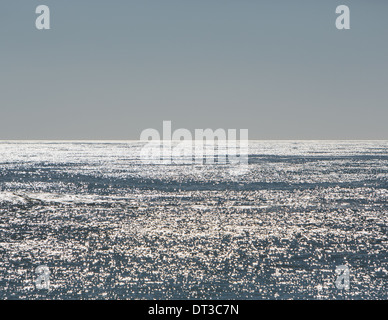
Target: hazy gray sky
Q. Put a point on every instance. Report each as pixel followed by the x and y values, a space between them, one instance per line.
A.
pixel 109 69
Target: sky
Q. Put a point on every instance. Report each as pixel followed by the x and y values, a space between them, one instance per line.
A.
pixel 110 69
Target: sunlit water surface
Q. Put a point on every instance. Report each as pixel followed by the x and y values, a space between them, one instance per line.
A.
pixel 110 227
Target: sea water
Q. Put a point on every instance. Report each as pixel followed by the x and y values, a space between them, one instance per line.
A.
pixel 108 226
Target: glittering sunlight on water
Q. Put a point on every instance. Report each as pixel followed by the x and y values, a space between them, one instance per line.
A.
pixel 109 227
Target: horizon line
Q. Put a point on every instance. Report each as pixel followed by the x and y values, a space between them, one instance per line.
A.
pixel 161 140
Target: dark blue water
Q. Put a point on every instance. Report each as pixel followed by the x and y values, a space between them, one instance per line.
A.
pixel 109 227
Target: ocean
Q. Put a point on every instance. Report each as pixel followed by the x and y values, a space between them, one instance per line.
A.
pixel 108 226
